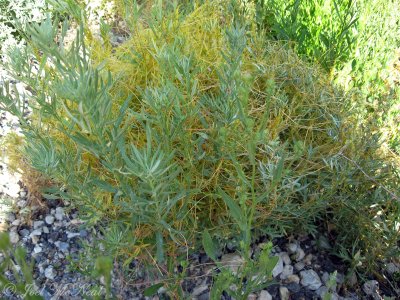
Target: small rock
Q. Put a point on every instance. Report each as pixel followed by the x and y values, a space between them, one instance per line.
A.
pixel 22 194
pixel 265 295
pixel 285 257
pixel 62 246
pixel 45 229
pixel 278 268
pixel 14 237
pixel 71 235
pixel 36 232
pixel 292 248
pixel 308 259
pixel 233 261
pixel 293 279
pixel 16 222
pixel 287 271
pixel 59 213
pixel 300 254
pixel 21 203
pixel 37 249
pixel 199 290
pixel 35 239
pixel 10 217
pixel 252 297
pixel 37 224
pixel 49 273
pixel 49 219
pixel 284 293
pixel 310 279
pixel 299 266
pixel 370 287
pixel 391 268
pixel 24 232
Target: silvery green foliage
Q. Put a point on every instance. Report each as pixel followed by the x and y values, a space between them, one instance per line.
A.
pixel 25 12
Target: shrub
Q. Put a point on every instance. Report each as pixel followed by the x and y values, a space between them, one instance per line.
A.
pixel 198 121
pixel 323 31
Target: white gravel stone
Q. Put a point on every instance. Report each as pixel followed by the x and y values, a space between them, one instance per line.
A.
pixel 278 268
pixel 71 235
pixel 49 273
pixel 45 229
pixel 287 271
pixel 370 287
pixel 14 237
pixel 36 232
pixel 16 222
pixel 284 293
pixel 37 224
pixel 265 295
pixel 299 266
pixel 233 261
pixel 293 279
pixel 21 203
pixel 300 254
pixel 310 279
pixel 49 219
pixel 391 268
pixel 37 249
pixel 285 257
pixel 292 248
pixel 59 216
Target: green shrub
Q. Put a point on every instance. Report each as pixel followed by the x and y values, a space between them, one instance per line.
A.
pixel 198 121
pixel 322 30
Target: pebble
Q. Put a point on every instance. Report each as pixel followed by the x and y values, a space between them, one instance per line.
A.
pixel 58 216
pixel 278 268
pixel 45 229
pixel 233 261
pixel 370 287
pixel 35 239
pixel 62 246
pixel 293 279
pixel 49 273
pixel 310 279
pixel 292 248
pixel 14 237
pixel 287 271
pixel 10 217
pixel 37 224
pixel 284 293
pixel 37 249
pixel 21 203
pixel 16 222
pixel 308 259
pixel 71 235
pixel 391 268
pixel 299 266
pixel 36 232
pixel 49 219
pixel 264 295
pixel 285 257
pixel 300 254
pixel 24 232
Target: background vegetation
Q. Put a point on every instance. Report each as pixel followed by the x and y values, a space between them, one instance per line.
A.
pixel 217 119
